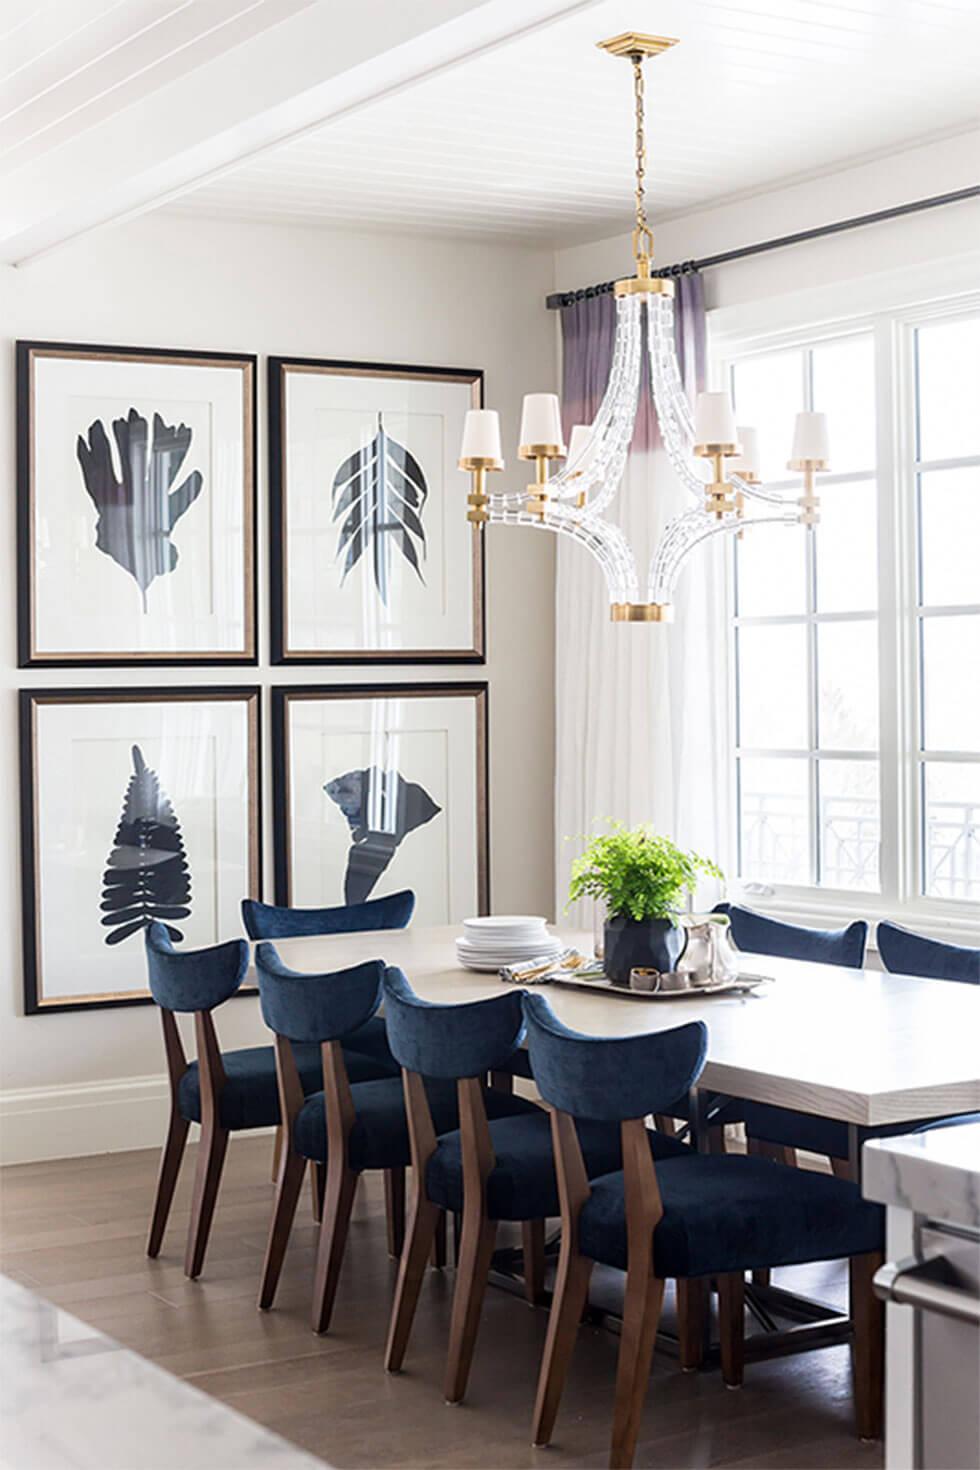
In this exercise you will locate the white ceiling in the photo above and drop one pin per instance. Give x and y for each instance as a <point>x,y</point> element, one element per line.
<point>531,139</point>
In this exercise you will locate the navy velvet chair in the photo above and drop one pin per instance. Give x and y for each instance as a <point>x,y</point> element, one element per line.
<point>758,934</point>
<point>780,1131</point>
<point>222,1092</point>
<point>348,1126</point>
<point>393,911</point>
<point>491,1169</point>
<point>710,1215</point>
<point>906,953</point>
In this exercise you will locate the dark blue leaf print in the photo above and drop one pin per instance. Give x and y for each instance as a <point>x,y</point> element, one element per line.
<point>380,491</point>
<point>138,511</point>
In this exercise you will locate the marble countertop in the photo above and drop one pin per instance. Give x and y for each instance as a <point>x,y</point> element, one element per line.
<point>935,1173</point>
<point>72,1399</point>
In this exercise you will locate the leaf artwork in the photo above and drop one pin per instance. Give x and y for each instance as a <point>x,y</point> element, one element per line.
<point>137,513</point>
<point>146,875</point>
<point>381,492</point>
<point>381,808</point>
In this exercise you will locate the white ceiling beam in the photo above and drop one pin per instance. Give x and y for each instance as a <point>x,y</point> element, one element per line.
<point>315,65</point>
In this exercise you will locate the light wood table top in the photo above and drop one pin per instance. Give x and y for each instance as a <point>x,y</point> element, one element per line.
<point>859,1046</point>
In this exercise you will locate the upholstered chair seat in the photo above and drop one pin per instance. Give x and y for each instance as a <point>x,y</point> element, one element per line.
<point>250,1097</point>
<point>725,1213</point>
<point>522,1184</point>
<point>378,1137</point>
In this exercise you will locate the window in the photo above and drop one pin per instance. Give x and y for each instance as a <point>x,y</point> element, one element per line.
<point>856,644</point>
<point>947,481</point>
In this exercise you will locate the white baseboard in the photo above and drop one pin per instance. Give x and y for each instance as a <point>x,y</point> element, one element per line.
<point>91,1118</point>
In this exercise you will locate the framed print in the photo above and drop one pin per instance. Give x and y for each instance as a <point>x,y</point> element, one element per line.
<point>379,788</point>
<point>136,506</point>
<point>136,804</point>
<point>373,559</point>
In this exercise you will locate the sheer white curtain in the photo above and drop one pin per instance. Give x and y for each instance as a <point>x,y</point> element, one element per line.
<point>640,707</point>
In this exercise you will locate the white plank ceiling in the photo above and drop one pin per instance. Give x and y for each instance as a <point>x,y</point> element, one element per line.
<point>68,64</point>
<point>531,139</point>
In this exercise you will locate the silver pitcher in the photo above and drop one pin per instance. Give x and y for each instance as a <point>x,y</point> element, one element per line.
<point>708,957</point>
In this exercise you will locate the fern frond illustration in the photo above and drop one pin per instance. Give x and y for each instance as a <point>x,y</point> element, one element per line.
<point>138,511</point>
<point>381,492</point>
<point>146,876</point>
<point>381,809</point>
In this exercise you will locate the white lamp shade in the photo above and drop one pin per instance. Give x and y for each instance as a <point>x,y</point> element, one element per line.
<point>811,440</point>
<point>714,419</point>
<point>481,435</point>
<point>578,441</point>
<point>746,463</point>
<point>541,420</point>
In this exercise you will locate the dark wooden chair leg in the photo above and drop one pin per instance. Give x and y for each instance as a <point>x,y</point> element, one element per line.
<point>691,1301</point>
<point>318,1185</point>
<point>291,1171</point>
<point>567,1305</point>
<point>170,1161</point>
<point>210,1161</point>
<point>276,1154</point>
<point>337,1204</point>
<point>457,1236</point>
<point>731,1327</point>
<point>395,1210</point>
<point>422,1235</point>
<point>868,1349</point>
<point>439,1244</point>
<point>473,1266</point>
<point>502,1081</point>
<point>842,1169</point>
<point>532,1236</point>
<point>641,1314</point>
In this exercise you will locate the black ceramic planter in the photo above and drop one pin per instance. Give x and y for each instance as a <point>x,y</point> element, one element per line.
<point>634,944</point>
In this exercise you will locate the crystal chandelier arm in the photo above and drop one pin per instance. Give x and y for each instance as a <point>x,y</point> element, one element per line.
<point>688,531</point>
<point>601,468</point>
<point>674,411</point>
<point>606,542</point>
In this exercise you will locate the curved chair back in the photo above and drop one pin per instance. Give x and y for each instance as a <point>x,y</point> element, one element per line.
<point>913,954</point>
<point>270,921</point>
<point>761,935</point>
<point>316,1008</point>
<point>193,979</point>
<point>611,1079</point>
<point>450,1041</point>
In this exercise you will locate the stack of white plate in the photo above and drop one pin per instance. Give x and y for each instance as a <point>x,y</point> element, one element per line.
<point>504,939</point>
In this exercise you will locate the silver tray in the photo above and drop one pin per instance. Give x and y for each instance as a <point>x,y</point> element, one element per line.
<point>743,984</point>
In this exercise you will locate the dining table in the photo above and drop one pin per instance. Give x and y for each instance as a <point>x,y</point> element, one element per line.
<point>865,1047</point>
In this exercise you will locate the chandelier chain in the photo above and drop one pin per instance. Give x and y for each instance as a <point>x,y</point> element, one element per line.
<point>642,235</point>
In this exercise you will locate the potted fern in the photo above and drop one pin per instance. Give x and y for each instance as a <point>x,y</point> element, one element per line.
<point>642,878</point>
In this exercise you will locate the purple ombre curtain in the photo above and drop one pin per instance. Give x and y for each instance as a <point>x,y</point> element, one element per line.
<point>588,330</point>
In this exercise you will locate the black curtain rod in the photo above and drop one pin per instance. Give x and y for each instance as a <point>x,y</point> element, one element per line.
<point>569,298</point>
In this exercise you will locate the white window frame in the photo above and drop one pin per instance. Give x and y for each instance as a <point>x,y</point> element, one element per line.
<point>899,752</point>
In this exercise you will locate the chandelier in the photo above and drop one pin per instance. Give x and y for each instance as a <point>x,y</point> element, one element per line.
<point>571,500</point>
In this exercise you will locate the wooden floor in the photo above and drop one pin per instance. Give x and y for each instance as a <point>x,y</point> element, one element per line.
<point>75,1232</point>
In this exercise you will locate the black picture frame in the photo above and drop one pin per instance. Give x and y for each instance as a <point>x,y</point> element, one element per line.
<point>478,690</point>
<point>28,701</point>
<point>27,655</point>
<point>276,369</point>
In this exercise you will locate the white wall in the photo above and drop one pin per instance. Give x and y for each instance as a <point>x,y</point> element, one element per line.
<point>764,282</point>
<point>170,281</point>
